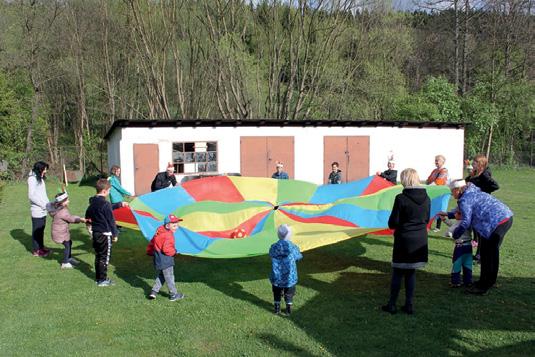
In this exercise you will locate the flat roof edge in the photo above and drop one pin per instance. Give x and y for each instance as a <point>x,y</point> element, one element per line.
<point>152,123</point>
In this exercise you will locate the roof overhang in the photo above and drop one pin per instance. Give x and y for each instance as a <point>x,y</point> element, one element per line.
<point>188,123</point>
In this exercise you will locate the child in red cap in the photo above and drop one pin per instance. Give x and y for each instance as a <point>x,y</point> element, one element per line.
<point>162,248</point>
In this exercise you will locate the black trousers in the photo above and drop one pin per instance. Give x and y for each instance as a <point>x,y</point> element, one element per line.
<point>38,232</point>
<point>490,255</point>
<point>67,251</point>
<point>288,293</point>
<point>102,246</point>
<point>395,286</point>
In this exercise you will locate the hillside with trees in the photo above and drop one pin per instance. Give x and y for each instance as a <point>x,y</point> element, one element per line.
<point>69,68</point>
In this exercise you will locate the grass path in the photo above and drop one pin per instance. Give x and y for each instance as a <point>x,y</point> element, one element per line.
<point>227,310</point>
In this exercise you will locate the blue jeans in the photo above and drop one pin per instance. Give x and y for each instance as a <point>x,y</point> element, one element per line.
<point>166,275</point>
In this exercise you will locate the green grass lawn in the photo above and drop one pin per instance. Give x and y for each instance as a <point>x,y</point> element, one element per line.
<point>227,309</point>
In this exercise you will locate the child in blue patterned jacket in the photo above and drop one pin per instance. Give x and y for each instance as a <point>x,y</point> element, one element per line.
<point>283,277</point>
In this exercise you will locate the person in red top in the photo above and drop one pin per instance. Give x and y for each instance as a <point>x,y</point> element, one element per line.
<point>162,249</point>
<point>439,176</point>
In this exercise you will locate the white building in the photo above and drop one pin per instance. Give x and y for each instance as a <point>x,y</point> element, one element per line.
<point>143,148</point>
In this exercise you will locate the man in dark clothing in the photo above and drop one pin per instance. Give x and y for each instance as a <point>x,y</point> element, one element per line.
<point>335,177</point>
<point>280,174</point>
<point>164,179</point>
<point>104,230</point>
<point>390,174</point>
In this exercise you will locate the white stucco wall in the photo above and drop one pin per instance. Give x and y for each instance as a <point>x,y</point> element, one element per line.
<point>412,147</point>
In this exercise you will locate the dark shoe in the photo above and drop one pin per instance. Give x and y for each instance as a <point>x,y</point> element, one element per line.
<point>389,308</point>
<point>175,297</point>
<point>288,309</point>
<point>276,309</point>
<point>74,261</point>
<point>407,309</point>
<point>476,291</point>
<point>152,295</point>
<point>43,252</point>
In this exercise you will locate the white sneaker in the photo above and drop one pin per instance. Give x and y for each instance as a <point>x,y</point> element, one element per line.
<point>436,230</point>
<point>66,266</point>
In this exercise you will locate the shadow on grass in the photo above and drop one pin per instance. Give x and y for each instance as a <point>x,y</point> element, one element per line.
<point>343,315</point>
<point>278,344</point>
<point>80,242</point>
<point>23,238</point>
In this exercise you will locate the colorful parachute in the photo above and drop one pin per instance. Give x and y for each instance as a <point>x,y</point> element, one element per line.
<point>232,217</point>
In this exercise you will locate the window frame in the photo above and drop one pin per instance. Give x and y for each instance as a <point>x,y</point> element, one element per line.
<point>175,163</point>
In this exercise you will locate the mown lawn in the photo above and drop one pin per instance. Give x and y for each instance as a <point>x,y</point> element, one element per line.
<point>227,309</point>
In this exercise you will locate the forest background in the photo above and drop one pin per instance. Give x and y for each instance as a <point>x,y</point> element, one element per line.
<point>69,68</point>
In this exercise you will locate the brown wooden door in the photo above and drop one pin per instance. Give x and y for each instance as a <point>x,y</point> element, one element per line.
<point>146,158</point>
<point>258,155</point>
<point>358,163</point>
<point>280,149</point>
<point>253,156</point>
<point>352,154</point>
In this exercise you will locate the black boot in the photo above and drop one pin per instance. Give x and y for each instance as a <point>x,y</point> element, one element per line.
<point>277,308</point>
<point>407,309</point>
<point>389,308</point>
<point>288,309</point>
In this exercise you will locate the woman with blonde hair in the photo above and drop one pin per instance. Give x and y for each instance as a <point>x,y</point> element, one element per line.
<point>408,219</point>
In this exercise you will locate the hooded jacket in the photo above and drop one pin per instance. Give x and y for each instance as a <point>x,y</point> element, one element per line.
<point>60,223</point>
<point>117,191</point>
<point>284,255</point>
<point>162,248</point>
<point>37,196</point>
<point>101,215</point>
<point>480,211</point>
<point>409,219</point>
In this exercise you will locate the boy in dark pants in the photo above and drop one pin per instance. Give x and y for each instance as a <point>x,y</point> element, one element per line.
<point>284,255</point>
<point>162,248</point>
<point>104,230</point>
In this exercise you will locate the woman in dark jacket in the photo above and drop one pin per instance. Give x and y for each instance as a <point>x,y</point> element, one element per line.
<point>481,175</point>
<point>409,219</point>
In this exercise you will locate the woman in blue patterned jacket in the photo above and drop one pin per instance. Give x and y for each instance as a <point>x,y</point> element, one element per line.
<point>491,219</point>
<point>283,277</point>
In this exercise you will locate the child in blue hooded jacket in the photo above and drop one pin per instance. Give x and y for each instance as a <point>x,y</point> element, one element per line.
<point>283,277</point>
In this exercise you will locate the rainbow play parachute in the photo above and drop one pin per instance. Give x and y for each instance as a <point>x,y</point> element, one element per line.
<point>233,217</point>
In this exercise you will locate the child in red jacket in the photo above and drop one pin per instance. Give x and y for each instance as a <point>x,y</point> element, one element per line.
<point>162,248</point>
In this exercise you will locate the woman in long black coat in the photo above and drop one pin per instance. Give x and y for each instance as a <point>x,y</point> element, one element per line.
<point>409,219</point>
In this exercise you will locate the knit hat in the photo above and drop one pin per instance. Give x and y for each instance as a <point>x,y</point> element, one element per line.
<point>60,197</point>
<point>457,184</point>
<point>284,232</point>
<point>172,219</point>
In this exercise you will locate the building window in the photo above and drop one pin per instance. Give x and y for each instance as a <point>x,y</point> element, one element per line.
<point>195,157</point>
